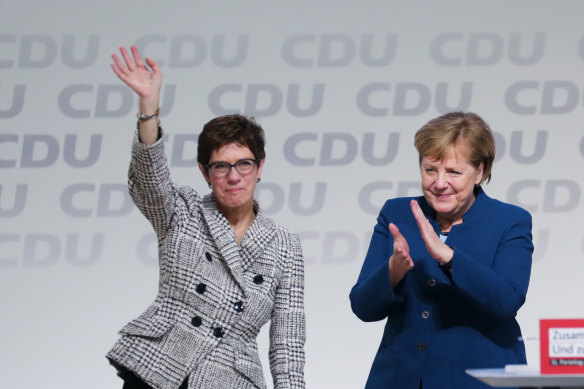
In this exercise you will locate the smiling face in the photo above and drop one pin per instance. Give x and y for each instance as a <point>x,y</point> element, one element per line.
<point>233,192</point>
<point>448,185</point>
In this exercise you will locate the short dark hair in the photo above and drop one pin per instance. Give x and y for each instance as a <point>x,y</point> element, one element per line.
<point>466,132</point>
<point>226,129</point>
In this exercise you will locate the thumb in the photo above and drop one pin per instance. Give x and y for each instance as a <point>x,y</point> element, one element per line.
<point>394,231</point>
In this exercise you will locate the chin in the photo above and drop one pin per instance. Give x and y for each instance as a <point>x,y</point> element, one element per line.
<point>443,209</point>
<point>236,202</point>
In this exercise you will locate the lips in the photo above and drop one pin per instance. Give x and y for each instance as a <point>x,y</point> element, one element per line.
<point>443,196</point>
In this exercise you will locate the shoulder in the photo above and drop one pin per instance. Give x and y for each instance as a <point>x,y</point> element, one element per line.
<point>281,233</point>
<point>494,216</point>
<point>188,198</point>
<point>496,207</point>
<point>398,206</point>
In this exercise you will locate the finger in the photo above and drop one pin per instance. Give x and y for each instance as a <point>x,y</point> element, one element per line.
<point>401,253</point>
<point>157,73</point>
<point>410,263</point>
<point>118,72</point>
<point>402,259</point>
<point>118,67</point>
<point>152,64</point>
<point>398,248</point>
<point>423,224</point>
<point>394,230</point>
<point>417,211</point>
<point>415,207</point>
<point>130,64</point>
<point>137,56</point>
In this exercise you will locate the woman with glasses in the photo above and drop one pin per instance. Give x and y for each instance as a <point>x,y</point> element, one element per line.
<point>225,268</point>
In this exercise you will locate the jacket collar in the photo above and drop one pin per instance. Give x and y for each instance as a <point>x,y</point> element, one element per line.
<point>238,257</point>
<point>480,200</point>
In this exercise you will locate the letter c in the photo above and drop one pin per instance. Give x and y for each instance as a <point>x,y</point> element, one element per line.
<point>364,95</point>
<point>366,192</point>
<point>511,97</point>
<point>66,96</point>
<point>5,138</point>
<point>437,49</point>
<point>142,42</point>
<point>519,186</point>
<point>288,50</point>
<point>67,200</point>
<point>216,95</point>
<point>290,147</point>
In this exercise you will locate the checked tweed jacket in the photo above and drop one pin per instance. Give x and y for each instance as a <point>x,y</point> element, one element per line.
<point>214,294</point>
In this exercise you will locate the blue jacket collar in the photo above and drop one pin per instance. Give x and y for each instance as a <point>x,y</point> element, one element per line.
<point>480,199</point>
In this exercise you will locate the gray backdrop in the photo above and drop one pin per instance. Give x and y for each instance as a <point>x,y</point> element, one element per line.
<point>340,88</point>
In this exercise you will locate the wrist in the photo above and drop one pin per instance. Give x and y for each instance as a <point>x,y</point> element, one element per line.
<point>148,116</point>
<point>149,105</point>
<point>446,265</point>
<point>448,254</point>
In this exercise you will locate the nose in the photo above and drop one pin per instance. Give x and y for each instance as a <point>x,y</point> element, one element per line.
<point>441,180</point>
<point>233,174</point>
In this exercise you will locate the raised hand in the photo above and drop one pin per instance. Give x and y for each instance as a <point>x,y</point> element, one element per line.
<point>400,261</point>
<point>437,249</point>
<point>146,82</point>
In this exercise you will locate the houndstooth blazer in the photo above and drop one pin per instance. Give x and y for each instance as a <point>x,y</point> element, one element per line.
<point>214,294</point>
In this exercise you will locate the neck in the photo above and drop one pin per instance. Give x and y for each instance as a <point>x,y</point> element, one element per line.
<point>446,225</point>
<point>239,219</point>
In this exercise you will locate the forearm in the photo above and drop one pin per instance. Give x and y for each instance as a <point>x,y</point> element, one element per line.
<point>150,185</point>
<point>499,290</point>
<point>288,325</point>
<point>372,297</point>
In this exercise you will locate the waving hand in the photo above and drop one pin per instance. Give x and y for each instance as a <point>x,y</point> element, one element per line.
<point>145,82</point>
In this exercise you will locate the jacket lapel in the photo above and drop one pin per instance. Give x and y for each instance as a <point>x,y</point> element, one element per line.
<point>257,237</point>
<point>237,257</point>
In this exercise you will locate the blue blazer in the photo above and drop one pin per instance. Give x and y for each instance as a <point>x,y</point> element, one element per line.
<point>438,325</point>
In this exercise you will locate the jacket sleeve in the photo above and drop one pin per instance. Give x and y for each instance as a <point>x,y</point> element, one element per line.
<point>372,296</point>
<point>500,288</point>
<point>288,324</point>
<point>150,185</point>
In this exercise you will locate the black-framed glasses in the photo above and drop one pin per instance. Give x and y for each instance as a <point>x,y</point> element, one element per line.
<point>243,167</point>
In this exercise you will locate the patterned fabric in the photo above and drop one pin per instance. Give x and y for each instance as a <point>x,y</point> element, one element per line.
<point>214,294</point>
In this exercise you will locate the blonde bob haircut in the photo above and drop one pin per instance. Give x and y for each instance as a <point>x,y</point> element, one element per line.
<point>467,134</point>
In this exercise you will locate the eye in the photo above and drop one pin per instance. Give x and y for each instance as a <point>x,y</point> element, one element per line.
<point>220,166</point>
<point>245,164</point>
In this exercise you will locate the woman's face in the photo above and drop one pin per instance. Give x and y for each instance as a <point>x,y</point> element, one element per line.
<point>448,185</point>
<point>233,190</point>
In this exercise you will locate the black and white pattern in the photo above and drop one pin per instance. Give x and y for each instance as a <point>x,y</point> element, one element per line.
<point>214,294</point>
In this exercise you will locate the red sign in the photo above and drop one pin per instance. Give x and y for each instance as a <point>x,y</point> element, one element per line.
<point>562,346</point>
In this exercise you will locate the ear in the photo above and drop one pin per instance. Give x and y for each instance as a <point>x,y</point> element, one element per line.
<point>480,170</point>
<point>205,173</point>
<point>260,167</point>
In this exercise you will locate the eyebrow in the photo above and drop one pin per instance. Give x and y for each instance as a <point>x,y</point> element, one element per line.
<point>241,159</point>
